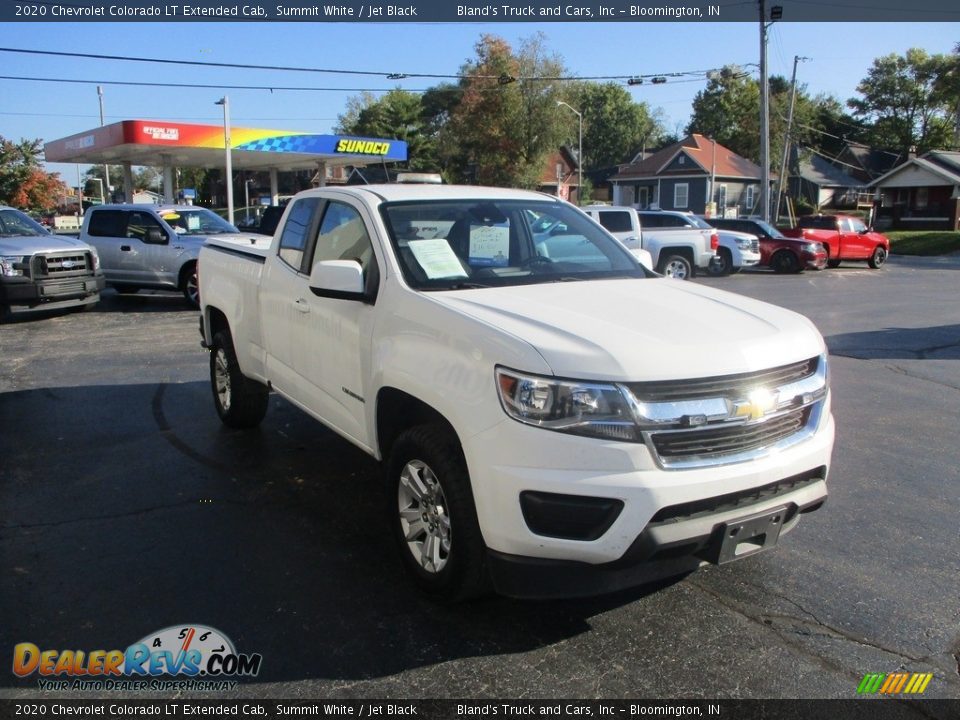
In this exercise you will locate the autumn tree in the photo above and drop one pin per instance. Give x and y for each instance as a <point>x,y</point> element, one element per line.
<point>506,122</point>
<point>23,182</point>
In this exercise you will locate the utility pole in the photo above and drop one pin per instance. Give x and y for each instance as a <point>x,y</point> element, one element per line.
<point>106,166</point>
<point>786,136</point>
<point>764,119</point>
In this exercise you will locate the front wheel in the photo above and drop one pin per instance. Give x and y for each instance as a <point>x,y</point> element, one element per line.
<point>878,258</point>
<point>785,262</point>
<point>190,284</point>
<point>722,263</point>
<point>676,266</point>
<point>433,516</point>
<point>240,401</point>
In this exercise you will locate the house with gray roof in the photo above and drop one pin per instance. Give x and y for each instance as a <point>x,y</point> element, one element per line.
<point>922,194</point>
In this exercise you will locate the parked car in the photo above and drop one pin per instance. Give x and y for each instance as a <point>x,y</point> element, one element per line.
<point>676,253</point>
<point>40,271</point>
<point>734,251</point>
<point>154,246</point>
<point>553,419</point>
<point>844,237</point>
<point>777,251</point>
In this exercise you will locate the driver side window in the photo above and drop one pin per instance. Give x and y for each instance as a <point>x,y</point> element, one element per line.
<point>343,236</point>
<point>138,223</point>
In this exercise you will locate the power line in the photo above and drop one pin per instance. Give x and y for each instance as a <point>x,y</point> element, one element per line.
<point>142,83</point>
<point>393,75</point>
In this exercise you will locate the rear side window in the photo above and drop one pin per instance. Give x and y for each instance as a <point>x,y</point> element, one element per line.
<point>294,237</point>
<point>615,221</point>
<point>108,223</point>
<point>818,222</point>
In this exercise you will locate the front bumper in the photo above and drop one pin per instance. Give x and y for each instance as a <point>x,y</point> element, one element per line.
<point>30,293</point>
<point>669,518</point>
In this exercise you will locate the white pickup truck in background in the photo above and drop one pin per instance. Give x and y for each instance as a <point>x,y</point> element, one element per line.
<point>553,419</point>
<point>675,253</point>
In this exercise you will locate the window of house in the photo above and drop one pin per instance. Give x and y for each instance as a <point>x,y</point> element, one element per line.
<point>749,199</point>
<point>644,199</point>
<point>722,197</point>
<point>923,197</point>
<point>681,193</point>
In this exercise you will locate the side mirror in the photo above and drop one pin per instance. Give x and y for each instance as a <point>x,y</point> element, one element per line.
<point>338,279</point>
<point>155,236</point>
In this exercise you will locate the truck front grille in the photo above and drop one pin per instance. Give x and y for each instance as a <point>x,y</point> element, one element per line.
<point>732,418</point>
<point>63,265</point>
<point>718,441</point>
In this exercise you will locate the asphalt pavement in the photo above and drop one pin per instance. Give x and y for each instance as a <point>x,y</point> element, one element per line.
<point>126,507</point>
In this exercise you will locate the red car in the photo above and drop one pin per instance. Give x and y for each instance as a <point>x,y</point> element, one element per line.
<point>777,251</point>
<point>845,238</point>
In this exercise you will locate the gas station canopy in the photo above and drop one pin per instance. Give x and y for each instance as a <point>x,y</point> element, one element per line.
<point>170,144</point>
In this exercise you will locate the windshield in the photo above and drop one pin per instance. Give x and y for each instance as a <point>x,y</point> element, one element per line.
<point>769,229</point>
<point>14,223</point>
<point>196,221</point>
<point>451,245</point>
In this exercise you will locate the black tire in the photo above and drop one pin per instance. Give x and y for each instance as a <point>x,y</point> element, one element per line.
<point>878,258</point>
<point>190,284</point>
<point>784,261</point>
<point>126,289</point>
<point>676,266</point>
<point>722,263</point>
<point>240,401</point>
<point>431,511</point>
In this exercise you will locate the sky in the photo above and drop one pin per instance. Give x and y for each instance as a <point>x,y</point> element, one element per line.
<point>841,54</point>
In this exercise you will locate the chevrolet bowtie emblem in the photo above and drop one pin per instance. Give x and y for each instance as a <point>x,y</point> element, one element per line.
<point>758,403</point>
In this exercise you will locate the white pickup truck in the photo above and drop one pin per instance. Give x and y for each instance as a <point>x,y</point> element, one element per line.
<point>553,419</point>
<point>676,253</point>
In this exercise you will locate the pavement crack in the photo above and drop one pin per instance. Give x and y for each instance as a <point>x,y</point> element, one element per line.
<point>815,623</point>
<point>111,516</point>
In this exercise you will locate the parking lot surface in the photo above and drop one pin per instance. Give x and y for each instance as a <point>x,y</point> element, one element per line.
<point>127,508</point>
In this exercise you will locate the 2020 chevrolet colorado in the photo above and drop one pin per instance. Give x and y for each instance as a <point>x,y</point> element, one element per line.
<point>553,419</point>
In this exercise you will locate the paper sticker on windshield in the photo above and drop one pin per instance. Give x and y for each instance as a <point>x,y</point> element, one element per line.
<point>437,258</point>
<point>489,246</point>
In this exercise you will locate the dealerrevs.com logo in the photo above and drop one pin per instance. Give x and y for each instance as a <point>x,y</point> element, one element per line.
<point>180,657</point>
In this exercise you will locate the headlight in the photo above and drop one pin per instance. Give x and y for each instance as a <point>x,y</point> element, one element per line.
<point>12,265</point>
<point>579,408</point>
<point>96,258</point>
<point>744,243</point>
<point>813,247</point>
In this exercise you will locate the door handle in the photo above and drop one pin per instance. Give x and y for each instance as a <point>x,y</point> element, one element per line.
<point>125,248</point>
<point>301,305</point>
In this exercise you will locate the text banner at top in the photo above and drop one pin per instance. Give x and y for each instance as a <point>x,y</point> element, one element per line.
<point>537,11</point>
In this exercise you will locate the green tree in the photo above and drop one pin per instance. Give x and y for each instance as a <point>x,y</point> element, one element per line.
<point>614,126</point>
<point>398,114</point>
<point>23,182</point>
<point>906,101</point>
<point>728,111</point>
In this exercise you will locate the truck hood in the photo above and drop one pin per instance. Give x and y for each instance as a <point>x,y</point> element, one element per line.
<point>32,244</point>
<point>630,330</point>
